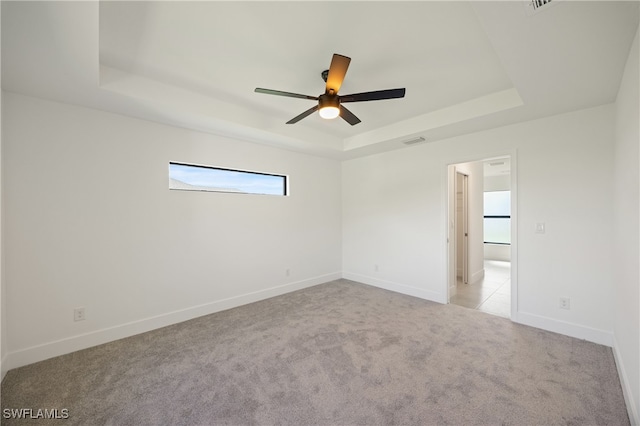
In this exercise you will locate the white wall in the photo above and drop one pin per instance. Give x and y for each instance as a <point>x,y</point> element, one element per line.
<point>90,222</point>
<point>394,215</point>
<point>499,252</point>
<point>626,324</point>
<point>391,218</point>
<point>497,183</point>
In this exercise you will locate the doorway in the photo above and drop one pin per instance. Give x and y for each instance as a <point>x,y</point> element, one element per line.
<point>481,243</point>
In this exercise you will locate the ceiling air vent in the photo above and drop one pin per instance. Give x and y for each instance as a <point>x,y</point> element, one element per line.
<point>415,141</point>
<point>535,6</point>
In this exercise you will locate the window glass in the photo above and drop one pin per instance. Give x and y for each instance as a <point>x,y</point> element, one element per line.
<point>497,217</point>
<point>497,203</point>
<point>497,231</point>
<point>189,177</point>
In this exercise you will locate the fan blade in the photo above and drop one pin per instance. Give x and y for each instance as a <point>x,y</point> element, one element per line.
<point>348,116</point>
<point>378,95</point>
<point>287,94</point>
<point>303,115</point>
<point>337,71</point>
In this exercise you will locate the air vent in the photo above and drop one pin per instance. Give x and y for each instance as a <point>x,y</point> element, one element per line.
<point>415,141</point>
<point>535,6</point>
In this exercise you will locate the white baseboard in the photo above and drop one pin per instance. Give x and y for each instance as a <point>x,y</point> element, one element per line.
<point>474,278</point>
<point>477,276</point>
<point>397,287</point>
<point>594,335</point>
<point>601,337</point>
<point>630,401</point>
<point>453,291</point>
<point>74,343</point>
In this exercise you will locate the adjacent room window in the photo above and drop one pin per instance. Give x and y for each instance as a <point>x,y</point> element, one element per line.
<point>190,177</point>
<point>497,217</point>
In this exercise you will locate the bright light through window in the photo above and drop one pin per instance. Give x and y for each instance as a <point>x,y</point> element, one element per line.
<point>189,177</point>
<point>497,217</point>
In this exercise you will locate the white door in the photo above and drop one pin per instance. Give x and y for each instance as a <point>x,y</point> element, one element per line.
<point>462,227</point>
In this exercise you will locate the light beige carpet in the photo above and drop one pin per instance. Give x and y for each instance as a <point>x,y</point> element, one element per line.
<point>340,353</point>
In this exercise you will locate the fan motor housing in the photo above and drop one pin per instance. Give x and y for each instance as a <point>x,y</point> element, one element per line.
<point>327,100</point>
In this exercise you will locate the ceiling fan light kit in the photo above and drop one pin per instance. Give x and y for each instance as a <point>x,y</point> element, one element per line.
<point>329,103</point>
<point>328,106</point>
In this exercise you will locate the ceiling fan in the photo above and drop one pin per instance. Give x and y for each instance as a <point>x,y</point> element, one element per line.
<point>330,103</point>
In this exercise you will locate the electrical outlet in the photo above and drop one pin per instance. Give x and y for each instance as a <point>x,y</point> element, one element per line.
<point>287,272</point>
<point>565,303</point>
<point>79,314</point>
<point>376,268</point>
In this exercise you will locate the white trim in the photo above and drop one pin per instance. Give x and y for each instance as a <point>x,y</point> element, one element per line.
<point>594,335</point>
<point>601,337</point>
<point>477,276</point>
<point>513,156</point>
<point>630,401</point>
<point>514,233</point>
<point>451,274</point>
<point>83,341</point>
<point>397,287</point>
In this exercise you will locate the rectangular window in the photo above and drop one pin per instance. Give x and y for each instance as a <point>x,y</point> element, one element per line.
<point>497,217</point>
<point>190,177</point>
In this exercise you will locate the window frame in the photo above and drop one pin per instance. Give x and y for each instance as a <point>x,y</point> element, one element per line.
<point>285,178</point>
<point>508,217</point>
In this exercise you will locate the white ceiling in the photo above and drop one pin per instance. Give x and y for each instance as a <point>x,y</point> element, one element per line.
<point>467,66</point>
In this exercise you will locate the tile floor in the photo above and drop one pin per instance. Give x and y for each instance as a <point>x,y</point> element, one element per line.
<point>492,294</point>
